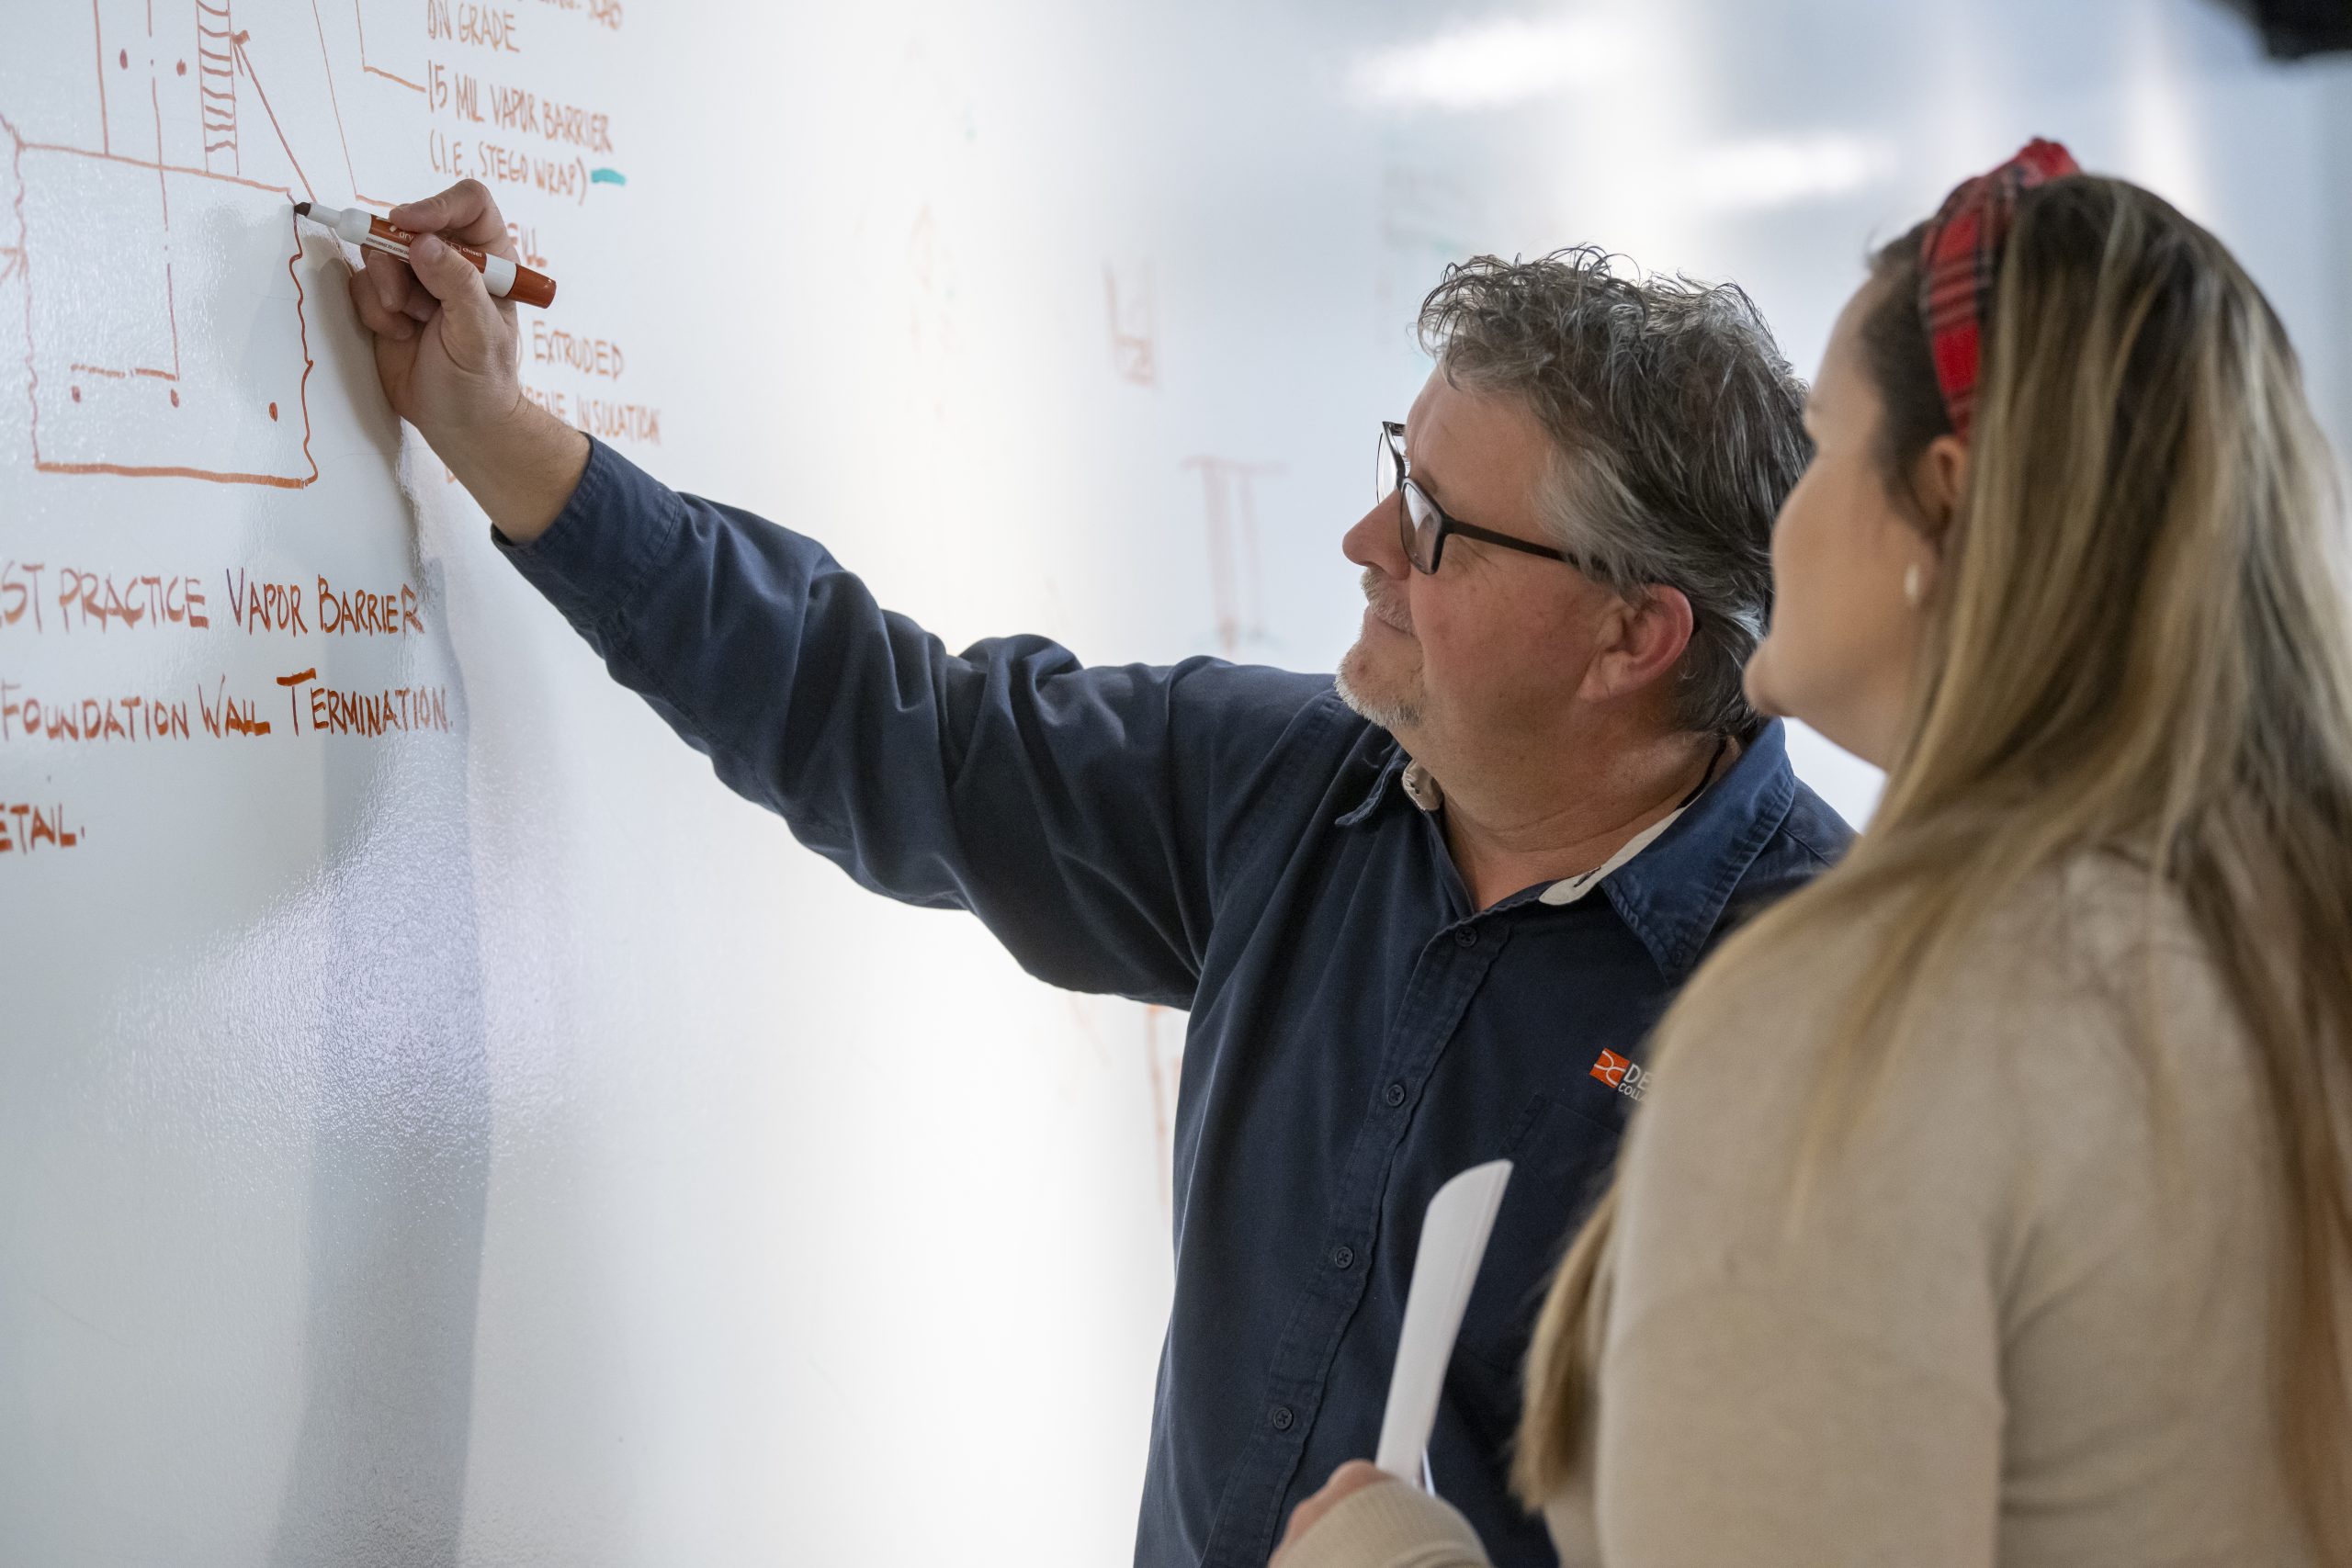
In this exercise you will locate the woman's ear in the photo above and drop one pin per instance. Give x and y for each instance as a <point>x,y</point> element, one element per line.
<point>1939,479</point>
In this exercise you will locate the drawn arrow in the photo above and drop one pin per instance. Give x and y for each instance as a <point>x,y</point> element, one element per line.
<point>245,64</point>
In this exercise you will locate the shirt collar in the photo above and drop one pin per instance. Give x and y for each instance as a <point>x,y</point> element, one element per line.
<point>1570,889</point>
<point>1671,883</point>
<point>1383,784</point>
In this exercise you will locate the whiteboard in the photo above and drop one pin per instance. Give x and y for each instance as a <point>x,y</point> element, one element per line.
<point>437,1122</point>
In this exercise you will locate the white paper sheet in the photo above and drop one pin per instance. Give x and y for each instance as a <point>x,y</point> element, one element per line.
<point>1453,1241</point>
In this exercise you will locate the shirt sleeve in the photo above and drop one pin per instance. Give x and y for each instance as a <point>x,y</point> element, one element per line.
<point>1389,1524</point>
<point>1078,811</point>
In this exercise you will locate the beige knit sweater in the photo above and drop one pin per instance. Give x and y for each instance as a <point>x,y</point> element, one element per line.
<point>2025,1322</point>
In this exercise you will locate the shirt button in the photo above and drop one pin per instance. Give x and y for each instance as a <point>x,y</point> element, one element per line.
<point>1343,1257</point>
<point>1281,1416</point>
<point>1396,1096</point>
<point>1466,937</point>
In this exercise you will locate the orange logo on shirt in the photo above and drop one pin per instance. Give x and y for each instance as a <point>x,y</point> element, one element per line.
<point>1620,1074</point>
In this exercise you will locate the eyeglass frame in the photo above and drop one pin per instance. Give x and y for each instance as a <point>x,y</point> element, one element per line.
<point>1392,441</point>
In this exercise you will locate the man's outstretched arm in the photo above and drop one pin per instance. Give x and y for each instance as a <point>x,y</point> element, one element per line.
<point>1079,811</point>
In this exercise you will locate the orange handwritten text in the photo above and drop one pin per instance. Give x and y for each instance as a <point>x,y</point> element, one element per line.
<point>485,27</point>
<point>503,164</point>
<point>130,716</point>
<point>358,613</point>
<point>606,421</point>
<point>266,607</point>
<point>620,421</point>
<point>520,109</point>
<point>565,177</point>
<point>582,128</point>
<point>25,827</point>
<point>590,355</point>
<point>20,592</point>
<point>391,708</point>
<point>226,715</point>
<point>90,599</point>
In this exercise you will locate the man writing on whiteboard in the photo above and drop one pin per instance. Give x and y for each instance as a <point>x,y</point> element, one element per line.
<point>1422,915</point>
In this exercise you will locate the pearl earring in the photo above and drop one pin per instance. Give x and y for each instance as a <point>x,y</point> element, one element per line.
<point>1913,590</point>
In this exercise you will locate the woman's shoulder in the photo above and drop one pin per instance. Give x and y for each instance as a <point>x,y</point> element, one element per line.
<point>2085,965</point>
<point>2047,1048</point>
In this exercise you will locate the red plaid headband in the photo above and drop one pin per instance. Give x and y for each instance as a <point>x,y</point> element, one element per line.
<point>1959,257</point>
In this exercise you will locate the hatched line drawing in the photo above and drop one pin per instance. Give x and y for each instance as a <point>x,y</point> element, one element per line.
<point>215,86</point>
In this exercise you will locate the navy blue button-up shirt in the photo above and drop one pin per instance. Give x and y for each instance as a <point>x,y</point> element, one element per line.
<point>1235,842</point>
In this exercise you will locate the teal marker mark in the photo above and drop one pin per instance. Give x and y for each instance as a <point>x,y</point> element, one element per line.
<point>606,177</point>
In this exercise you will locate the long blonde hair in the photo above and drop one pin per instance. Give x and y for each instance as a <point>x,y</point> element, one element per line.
<point>2141,641</point>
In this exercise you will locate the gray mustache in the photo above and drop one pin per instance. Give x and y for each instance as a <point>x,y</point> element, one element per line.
<point>1383,607</point>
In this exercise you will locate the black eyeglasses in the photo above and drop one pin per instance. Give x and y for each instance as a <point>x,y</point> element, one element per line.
<point>1422,524</point>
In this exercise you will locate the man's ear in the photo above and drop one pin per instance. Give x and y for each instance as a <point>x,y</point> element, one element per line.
<point>1939,479</point>
<point>1646,634</point>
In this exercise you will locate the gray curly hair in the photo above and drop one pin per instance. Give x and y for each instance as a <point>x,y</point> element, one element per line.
<point>1680,431</point>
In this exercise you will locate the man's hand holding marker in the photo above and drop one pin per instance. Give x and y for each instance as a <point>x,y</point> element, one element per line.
<point>446,353</point>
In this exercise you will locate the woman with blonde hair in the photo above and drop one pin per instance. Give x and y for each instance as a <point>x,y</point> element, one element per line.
<point>1994,1199</point>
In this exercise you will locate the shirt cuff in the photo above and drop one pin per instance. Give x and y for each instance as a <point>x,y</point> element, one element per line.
<point>591,559</point>
<point>1390,1524</point>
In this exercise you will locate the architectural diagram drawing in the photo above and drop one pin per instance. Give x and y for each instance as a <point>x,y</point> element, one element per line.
<point>153,244</point>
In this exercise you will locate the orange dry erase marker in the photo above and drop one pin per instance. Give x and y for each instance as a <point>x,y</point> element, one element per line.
<point>506,281</point>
